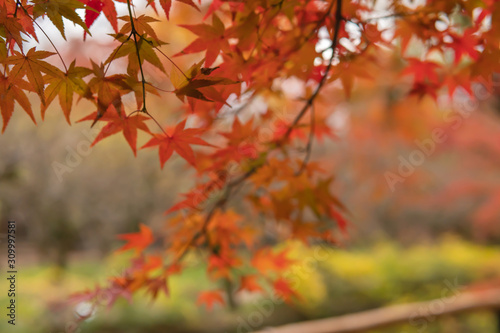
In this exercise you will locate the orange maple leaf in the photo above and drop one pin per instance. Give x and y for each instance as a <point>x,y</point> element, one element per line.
<point>12,91</point>
<point>119,122</point>
<point>179,141</point>
<point>137,240</point>
<point>210,38</point>
<point>249,283</point>
<point>32,66</point>
<point>209,298</point>
<point>264,260</point>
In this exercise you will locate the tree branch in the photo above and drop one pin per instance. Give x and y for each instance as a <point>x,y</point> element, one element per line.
<point>232,184</point>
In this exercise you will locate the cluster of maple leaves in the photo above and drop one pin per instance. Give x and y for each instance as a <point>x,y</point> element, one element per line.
<point>246,48</point>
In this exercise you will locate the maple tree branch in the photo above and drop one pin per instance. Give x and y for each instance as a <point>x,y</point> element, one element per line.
<point>309,144</point>
<point>232,184</point>
<point>18,3</point>
<point>333,47</point>
<point>392,15</point>
<point>134,33</point>
<point>320,21</point>
<point>261,33</point>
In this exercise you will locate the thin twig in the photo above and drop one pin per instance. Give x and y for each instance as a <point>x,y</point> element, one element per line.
<point>156,121</point>
<point>173,63</point>
<point>309,144</point>
<point>164,90</point>
<point>134,33</point>
<point>50,41</point>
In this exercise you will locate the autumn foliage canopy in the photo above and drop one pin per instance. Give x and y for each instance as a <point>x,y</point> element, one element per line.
<point>275,69</point>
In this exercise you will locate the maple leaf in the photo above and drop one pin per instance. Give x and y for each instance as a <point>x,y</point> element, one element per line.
<point>119,122</point>
<point>11,27</point>
<point>210,38</point>
<point>422,70</point>
<point>173,269</point>
<point>152,262</point>
<point>220,267</point>
<point>264,260</point>
<point>464,45</point>
<point>25,18</point>
<point>65,85</point>
<point>209,298</point>
<point>341,221</point>
<point>235,5</point>
<point>56,10</point>
<point>166,5</point>
<point>348,70</point>
<point>282,289</point>
<point>32,66</point>
<point>249,283</point>
<point>179,141</point>
<point>11,91</point>
<point>156,285</point>
<point>94,9</point>
<point>239,145</point>
<point>305,231</point>
<point>462,79</point>
<point>142,27</point>
<point>239,133</point>
<point>198,85</point>
<point>129,48</point>
<point>109,89</point>
<point>137,240</point>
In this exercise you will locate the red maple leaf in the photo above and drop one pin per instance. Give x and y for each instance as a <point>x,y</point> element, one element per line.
<point>179,141</point>
<point>465,45</point>
<point>98,6</point>
<point>422,70</point>
<point>137,240</point>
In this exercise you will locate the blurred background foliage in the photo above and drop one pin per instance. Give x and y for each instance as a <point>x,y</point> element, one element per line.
<point>439,227</point>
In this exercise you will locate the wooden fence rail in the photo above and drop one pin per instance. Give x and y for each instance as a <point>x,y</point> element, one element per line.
<point>416,314</point>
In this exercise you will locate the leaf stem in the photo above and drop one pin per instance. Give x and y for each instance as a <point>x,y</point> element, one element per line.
<point>50,40</point>
<point>169,59</point>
